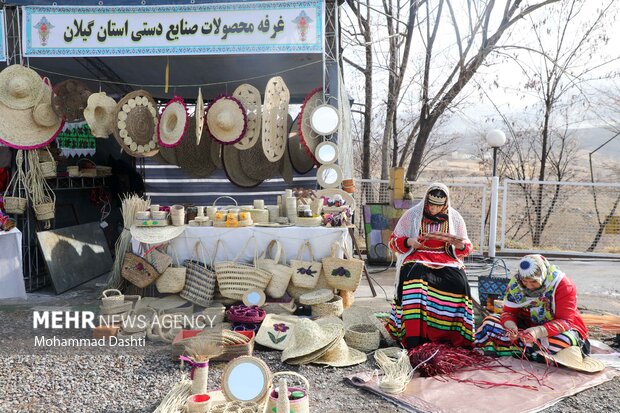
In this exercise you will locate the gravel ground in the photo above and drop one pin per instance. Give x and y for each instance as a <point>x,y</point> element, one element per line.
<point>107,381</point>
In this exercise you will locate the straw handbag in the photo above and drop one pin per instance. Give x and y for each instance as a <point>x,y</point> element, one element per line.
<point>200,281</point>
<point>43,198</point>
<point>47,163</point>
<point>160,260</point>
<point>138,271</point>
<point>172,280</point>
<point>306,273</point>
<point>280,273</point>
<point>16,196</point>
<point>111,298</point>
<point>236,278</point>
<point>343,273</point>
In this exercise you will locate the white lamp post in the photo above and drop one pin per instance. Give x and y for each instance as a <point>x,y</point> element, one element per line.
<point>495,138</point>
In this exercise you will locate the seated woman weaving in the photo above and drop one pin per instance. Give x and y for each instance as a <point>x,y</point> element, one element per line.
<point>432,302</point>
<point>540,313</point>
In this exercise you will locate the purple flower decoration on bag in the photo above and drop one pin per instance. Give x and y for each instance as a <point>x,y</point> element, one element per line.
<point>139,267</point>
<point>341,272</point>
<point>306,271</point>
<point>282,328</point>
<point>278,328</point>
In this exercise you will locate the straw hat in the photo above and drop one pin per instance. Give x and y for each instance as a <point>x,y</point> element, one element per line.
<point>275,113</point>
<point>70,99</point>
<point>20,87</point>
<point>99,114</point>
<point>199,114</point>
<point>250,98</point>
<point>194,159</point>
<point>310,337</point>
<point>276,331</point>
<point>301,161</point>
<point>19,130</point>
<point>308,138</point>
<point>234,170</point>
<point>135,124</point>
<point>173,123</point>
<point>573,358</point>
<point>341,355</point>
<point>43,113</point>
<point>155,235</point>
<point>316,297</point>
<point>226,120</point>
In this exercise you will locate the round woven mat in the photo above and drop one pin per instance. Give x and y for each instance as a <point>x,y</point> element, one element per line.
<point>233,169</point>
<point>255,164</point>
<point>194,159</point>
<point>275,113</point>
<point>70,99</point>
<point>250,98</point>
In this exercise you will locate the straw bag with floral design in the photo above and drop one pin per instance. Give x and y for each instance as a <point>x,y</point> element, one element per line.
<point>138,270</point>
<point>280,272</point>
<point>343,273</point>
<point>306,273</point>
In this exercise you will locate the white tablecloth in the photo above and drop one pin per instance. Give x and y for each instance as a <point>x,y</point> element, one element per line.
<point>234,240</point>
<point>11,273</point>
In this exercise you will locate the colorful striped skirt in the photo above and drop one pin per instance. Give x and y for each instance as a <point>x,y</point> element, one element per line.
<point>432,305</point>
<point>493,339</point>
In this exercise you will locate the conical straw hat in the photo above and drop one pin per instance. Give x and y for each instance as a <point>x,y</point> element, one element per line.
<point>234,169</point>
<point>300,158</point>
<point>20,87</point>
<point>99,114</point>
<point>192,158</point>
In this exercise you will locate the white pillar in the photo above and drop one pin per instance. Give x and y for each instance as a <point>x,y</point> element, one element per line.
<point>493,224</point>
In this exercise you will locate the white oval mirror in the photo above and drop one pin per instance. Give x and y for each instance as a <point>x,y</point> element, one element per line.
<point>326,153</point>
<point>329,176</point>
<point>246,378</point>
<point>324,120</point>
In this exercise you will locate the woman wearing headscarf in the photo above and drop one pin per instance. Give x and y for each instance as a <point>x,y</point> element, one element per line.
<point>540,307</point>
<point>432,302</point>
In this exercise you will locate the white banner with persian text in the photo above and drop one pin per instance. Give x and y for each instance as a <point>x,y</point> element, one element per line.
<point>223,28</point>
<point>2,37</point>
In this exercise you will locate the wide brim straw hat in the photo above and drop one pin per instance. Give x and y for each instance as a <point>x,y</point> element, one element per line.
<point>308,138</point>
<point>199,114</point>
<point>43,112</point>
<point>255,164</point>
<point>573,358</point>
<point>269,337</point>
<point>20,87</point>
<point>234,170</point>
<point>341,355</point>
<point>99,114</point>
<point>19,130</point>
<point>70,99</point>
<point>135,124</point>
<point>301,161</point>
<point>173,123</point>
<point>194,159</point>
<point>250,98</point>
<point>156,235</point>
<point>275,119</point>
<point>226,120</point>
<point>310,337</point>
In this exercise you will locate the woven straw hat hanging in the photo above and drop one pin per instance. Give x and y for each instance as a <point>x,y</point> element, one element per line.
<point>172,123</point>
<point>199,114</point>
<point>300,158</point>
<point>135,124</point>
<point>19,130</point>
<point>275,112</point>
<point>70,99</point>
<point>43,113</point>
<point>234,170</point>
<point>226,120</point>
<point>99,114</point>
<point>194,159</point>
<point>308,138</point>
<point>250,98</point>
<point>20,87</point>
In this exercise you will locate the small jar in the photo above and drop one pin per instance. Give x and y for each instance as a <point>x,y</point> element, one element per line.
<point>301,211</point>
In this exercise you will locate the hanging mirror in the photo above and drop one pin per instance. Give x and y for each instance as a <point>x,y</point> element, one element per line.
<point>254,297</point>
<point>247,379</point>
<point>326,153</point>
<point>329,176</point>
<point>324,120</point>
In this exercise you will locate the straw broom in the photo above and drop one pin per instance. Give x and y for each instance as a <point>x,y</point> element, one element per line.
<point>200,350</point>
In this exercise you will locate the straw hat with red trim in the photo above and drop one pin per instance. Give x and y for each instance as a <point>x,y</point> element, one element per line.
<point>226,120</point>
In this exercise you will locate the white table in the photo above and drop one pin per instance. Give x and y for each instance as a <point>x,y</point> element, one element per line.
<point>234,240</point>
<point>11,273</point>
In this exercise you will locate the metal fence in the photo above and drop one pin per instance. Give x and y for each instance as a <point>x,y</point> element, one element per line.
<point>470,199</point>
<point>566,217</point>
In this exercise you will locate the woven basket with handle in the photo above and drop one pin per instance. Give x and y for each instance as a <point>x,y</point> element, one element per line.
<point>200,280</point>
<point>306,273</point>
<point>172,279</point>
<point>138,271</point>
<point>280,272</point>
<point>343,273</point>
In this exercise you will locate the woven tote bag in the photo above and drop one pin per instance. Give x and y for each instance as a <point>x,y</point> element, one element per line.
<point>172,280</point>
<point>138,271</point>
<point>235,278</point>
<point>280,272</point>
<point>343,273</point>
<point>306,273</point>
<point>200,277</point>
<point>159,259</point>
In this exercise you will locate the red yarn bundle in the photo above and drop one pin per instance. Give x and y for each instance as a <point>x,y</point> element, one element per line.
<point>438,358</point>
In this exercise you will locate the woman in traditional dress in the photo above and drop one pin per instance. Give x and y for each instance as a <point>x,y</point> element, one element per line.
<point>432,302</point>
<point>540,307</point>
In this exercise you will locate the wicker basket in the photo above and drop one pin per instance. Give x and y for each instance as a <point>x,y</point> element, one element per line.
<point>160,260</point>
<point>48,169</point>
<point>308,222</point>
<point>112,297</point>
<point>316,297</point>
<point>332,307</point>
<point>280,307</point>
<point>363,337</point>
<point>45,211</point>
<point>73,171</point>
<point>234,279</point>
<point>301,405</point>
<point>15,205</point>
<point>116,308</point>
<point>243,314</point>
<point>236,407</point>
<point>172,280</point>
<point>343,273</point>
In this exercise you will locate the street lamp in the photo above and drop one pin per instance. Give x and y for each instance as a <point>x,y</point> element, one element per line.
<point>495,138</point>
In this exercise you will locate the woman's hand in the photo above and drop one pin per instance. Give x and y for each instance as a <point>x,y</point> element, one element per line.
<point>414,243</point>
<point>511,330</point>
<point>458,244</point>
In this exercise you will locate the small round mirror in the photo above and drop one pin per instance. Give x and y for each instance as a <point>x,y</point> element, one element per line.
<point>329,176</point>
<point>254,297</point>
<point>247,379</point>
<point>326,153</point>
<point>324,120</point>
